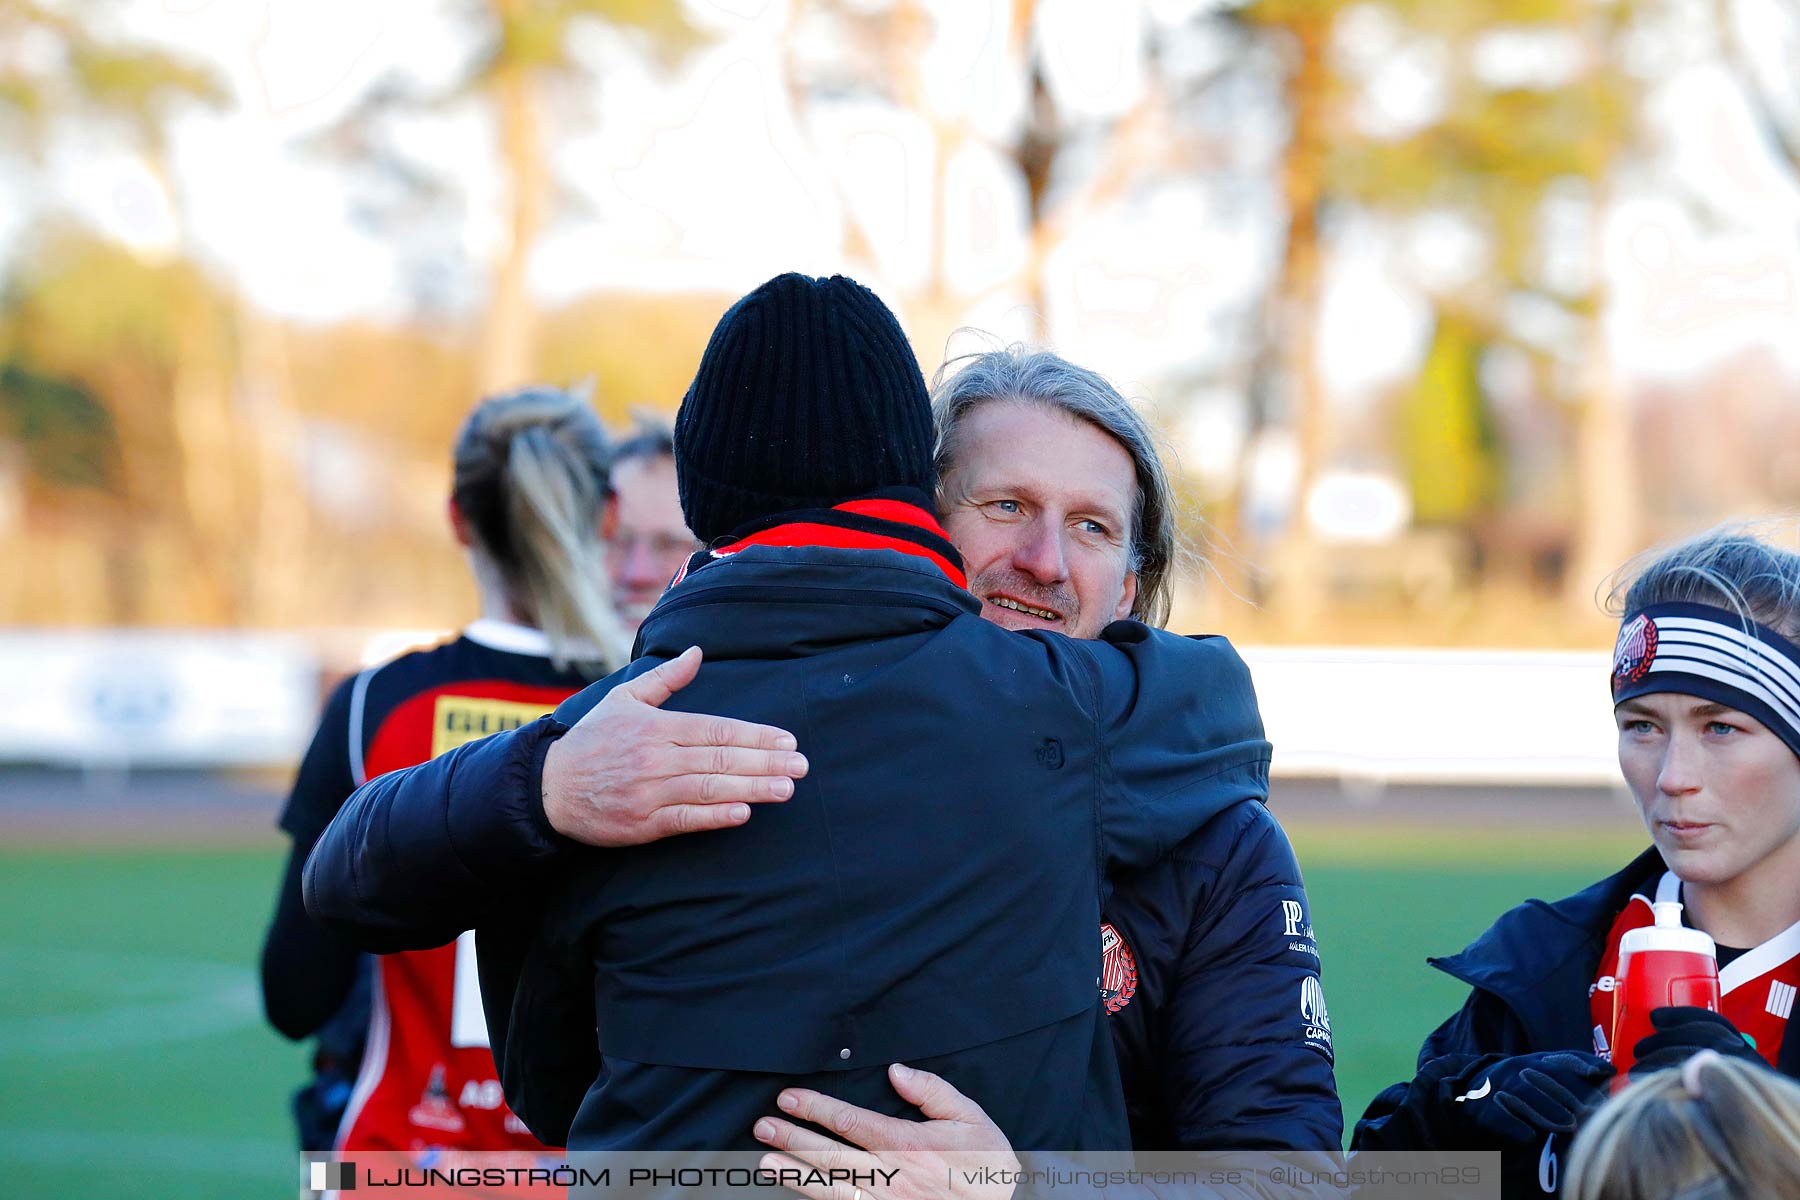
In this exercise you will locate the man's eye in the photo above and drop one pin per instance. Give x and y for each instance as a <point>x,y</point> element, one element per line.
<point>1720,728</point>
<point>1095,528</point>
<point>1635,725</point>
<point>1005,506</point>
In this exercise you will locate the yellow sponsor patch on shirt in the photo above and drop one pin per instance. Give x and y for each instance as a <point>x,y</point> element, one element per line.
<point>459,719</point>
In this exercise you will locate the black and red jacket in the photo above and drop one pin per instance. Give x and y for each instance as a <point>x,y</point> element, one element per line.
<point>930,894</point>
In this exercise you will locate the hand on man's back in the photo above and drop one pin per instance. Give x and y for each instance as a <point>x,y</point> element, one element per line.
<point>952,1154</point>
<point>629,773</point>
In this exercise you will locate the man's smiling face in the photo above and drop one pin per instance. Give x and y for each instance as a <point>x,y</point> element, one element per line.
<point>1040,505</point>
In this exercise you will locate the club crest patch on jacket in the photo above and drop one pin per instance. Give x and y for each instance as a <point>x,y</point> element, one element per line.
<point>1118,975</point>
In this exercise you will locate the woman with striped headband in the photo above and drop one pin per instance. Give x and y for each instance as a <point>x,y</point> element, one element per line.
<point>1706,691</point>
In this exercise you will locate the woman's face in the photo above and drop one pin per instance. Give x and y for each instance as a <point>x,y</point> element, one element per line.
<point>1718,791</point>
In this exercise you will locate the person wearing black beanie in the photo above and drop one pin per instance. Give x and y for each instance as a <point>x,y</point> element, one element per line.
<point>930,892</point>
<point>808,394</point>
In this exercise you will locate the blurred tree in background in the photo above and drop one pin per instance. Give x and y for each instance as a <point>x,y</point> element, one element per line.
<point>1445,432</point>
<point>178,454</point>
<point>179,448</point>
<point>1527,105</point>
<point>527,45</point>
<point>1762,63</point>
<point>521,66</point>
<point>79,296</point>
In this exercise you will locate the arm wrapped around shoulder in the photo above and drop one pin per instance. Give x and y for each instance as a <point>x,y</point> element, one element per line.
<point>1182,738</point>
<point>417,856</point>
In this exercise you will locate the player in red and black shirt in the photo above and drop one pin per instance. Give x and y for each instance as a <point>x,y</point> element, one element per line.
<point>1706,691</point>
<point>530,505</point>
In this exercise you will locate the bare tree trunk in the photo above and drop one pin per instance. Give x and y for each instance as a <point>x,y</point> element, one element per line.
<point>1035,155</point>
<point>279,567</point>
<point>1782,138</point>
<point>1606,485</point>
<point>508,340</point>
<point>1299,585</point>
<point>1605,522</point>
<point>206,427</point>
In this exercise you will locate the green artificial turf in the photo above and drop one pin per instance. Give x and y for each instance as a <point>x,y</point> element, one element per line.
<point>138,1065</point>
<point>131,1033</point>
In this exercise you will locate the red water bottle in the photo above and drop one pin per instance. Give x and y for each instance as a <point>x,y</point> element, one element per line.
<point>1659,965</point>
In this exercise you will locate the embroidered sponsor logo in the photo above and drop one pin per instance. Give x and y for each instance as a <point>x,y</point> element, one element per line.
<point>1634,651</point>
<point>1312,1011</point>
<point>435,1109</point>
<point>1487,1085</point>
<point>1118,974</point>
<point>484,1094</point>
<point>1294,925</point>
<point>459,719</point>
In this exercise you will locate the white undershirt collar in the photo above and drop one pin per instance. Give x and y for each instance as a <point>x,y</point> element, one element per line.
<point>509,636</point>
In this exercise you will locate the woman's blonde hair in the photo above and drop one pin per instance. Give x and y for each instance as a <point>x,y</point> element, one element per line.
<point>1736,566</point>
<point>1714,1128</point>
<point>531,480</point>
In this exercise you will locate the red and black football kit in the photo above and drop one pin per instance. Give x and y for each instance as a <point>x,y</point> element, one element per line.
<point>1537,978</point>
<point>426,1078</point>
<point>1756,986</point>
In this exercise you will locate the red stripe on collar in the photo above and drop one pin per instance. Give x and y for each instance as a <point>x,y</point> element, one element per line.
<point>809,533</point>
<point>898,511</point>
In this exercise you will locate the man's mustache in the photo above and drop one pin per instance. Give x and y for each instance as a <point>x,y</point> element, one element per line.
<point>1023,587</point>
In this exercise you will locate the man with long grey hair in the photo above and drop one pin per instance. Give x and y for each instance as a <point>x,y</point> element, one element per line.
<point>983,404</point>
<point>1053,489</point>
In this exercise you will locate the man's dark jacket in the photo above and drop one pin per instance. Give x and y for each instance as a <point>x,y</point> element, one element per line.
<point>929,894</point>
<point>1220,1044</point>
<point>1530,972</point>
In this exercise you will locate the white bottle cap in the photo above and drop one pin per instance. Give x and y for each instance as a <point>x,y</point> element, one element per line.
<point>1667,934</point>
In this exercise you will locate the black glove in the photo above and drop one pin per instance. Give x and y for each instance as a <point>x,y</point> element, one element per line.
<point>1515,1100</point>
<point>1683,1032</point>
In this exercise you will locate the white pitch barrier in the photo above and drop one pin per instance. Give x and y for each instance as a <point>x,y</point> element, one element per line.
<point>118,699</point>
<point>1438,716</point>
<point>130,698</point>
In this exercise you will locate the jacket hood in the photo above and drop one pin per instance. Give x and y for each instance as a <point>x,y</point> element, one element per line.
<point>808,599</point>
<point>1537,952</point>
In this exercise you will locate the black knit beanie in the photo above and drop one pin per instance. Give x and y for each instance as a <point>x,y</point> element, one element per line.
<point>808,395</point>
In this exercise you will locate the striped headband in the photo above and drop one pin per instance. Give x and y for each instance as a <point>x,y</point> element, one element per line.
<point>1712,653</point>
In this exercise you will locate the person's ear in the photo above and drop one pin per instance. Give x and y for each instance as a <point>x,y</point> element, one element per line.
<point>1128,598</point>
<point>459,524</point>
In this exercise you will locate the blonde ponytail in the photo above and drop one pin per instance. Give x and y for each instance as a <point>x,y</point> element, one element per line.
<point>531,478</point>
